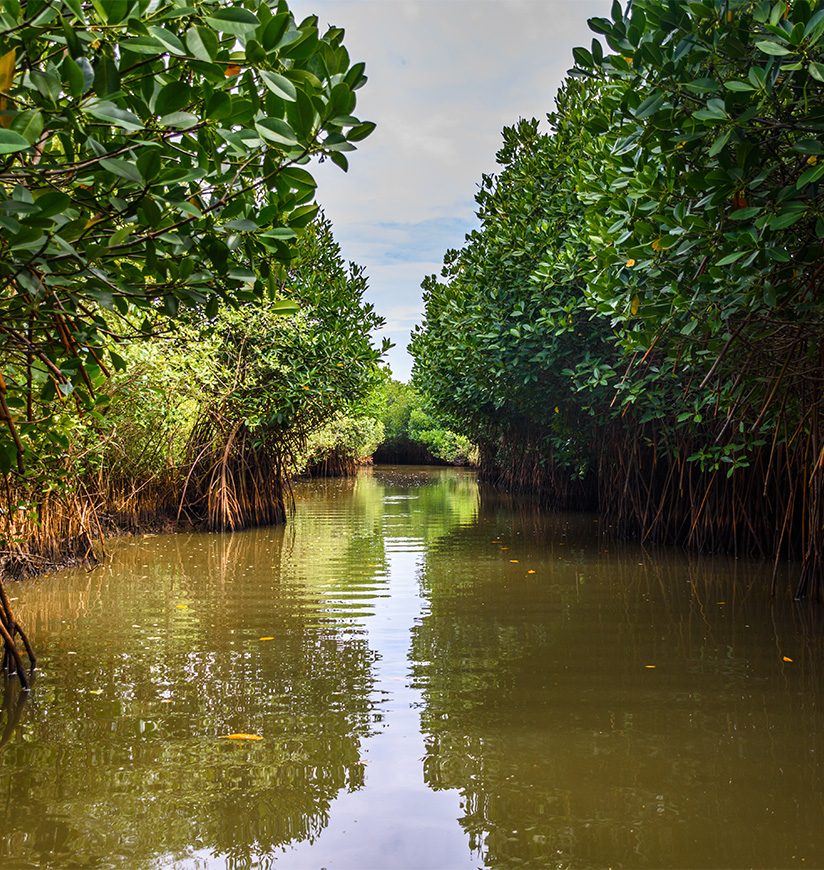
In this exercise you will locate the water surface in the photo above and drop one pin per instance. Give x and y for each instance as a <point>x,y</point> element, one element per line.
<point>441,678</point>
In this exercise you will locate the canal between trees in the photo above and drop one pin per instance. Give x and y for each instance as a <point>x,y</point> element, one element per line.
<point>437,677</point>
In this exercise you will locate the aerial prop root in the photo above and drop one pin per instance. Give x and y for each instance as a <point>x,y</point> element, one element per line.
<point>10,629</point>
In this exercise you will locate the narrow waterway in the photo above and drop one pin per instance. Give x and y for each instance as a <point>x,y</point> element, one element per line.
<point>441,678</point>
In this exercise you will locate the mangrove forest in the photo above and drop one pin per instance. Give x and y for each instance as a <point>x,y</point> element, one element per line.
<point>552,601</point>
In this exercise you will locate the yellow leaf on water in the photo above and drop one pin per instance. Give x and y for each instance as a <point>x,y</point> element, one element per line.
<point>504,548</point>
<point>241,737</point>
<point>650,667</point>
<point>182,606</point>
<point>514,561</point>
<point>786,659</point>
<point>267,637</point>
<point>532,571</point>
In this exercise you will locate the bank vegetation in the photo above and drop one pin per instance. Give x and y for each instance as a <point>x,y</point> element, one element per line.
<point>637,327</point>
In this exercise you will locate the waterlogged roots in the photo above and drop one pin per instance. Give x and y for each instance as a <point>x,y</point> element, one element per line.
<point>772,509</point>
<point>10,630</point>
<point>336,463</point>
<point>235,481</point>
<point>39,532</point>
<point>523,467</point>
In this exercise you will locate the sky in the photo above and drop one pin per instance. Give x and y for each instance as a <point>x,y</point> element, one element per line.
<point>445,76</point>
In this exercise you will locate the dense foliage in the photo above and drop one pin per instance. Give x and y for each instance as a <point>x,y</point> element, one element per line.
<point>639,323</point>
<point>174,320</point>
<point>268,382</point>
<point>413,433</point>
<point>151,160</point>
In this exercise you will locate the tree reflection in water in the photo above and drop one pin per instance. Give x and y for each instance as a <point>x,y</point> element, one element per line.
<point>152,657</point>
<point>567,749</point>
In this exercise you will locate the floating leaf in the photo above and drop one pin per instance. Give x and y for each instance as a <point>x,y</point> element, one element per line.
<point>514,561</point>
<point>241,737</point>
<point>267,637</point>
<point>786,659</point>
<point>650,667</point>
<point>531,571</point>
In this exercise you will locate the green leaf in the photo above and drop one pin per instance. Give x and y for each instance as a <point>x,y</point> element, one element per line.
<point>107,111</point>
<point>817,69</point>
<point>178,120</point>
<point>11,142</point>
<point>719,143</point>
<point>731,258</point>
<point>277,131</point>
<point>715,111</point>
<point>279,85</point>
<point>284,307</point>
<point>172,97</point>
<point>168,40</point>
<point>702,86</point>
<point>773,48</point>
<point>745,214</point>
<point>690,327</point>
<point>274,30</point>
<point>202,43</point>
<point>303,216</point>
<point>122,168</point>
<point>810,176</point>
<point>235,20</point>
<point>582,57</point>
<point>809,146</point>
<point>106,77</point>
<point>650,105</point>
<point>73,76</point>
<point>8,456</point>
<point>360,131</point>
<point>787,218</point>
<point>29,125</point>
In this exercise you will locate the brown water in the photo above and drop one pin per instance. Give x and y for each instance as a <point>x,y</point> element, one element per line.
<point>425,701</point>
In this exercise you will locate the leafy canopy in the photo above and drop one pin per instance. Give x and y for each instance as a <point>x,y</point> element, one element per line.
<point>152,156</point>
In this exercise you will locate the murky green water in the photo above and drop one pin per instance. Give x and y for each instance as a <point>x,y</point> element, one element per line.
<point>425,699</point>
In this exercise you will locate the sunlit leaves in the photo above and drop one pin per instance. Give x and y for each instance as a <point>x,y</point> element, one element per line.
<point>674,213</point>
<point>164,131</point>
